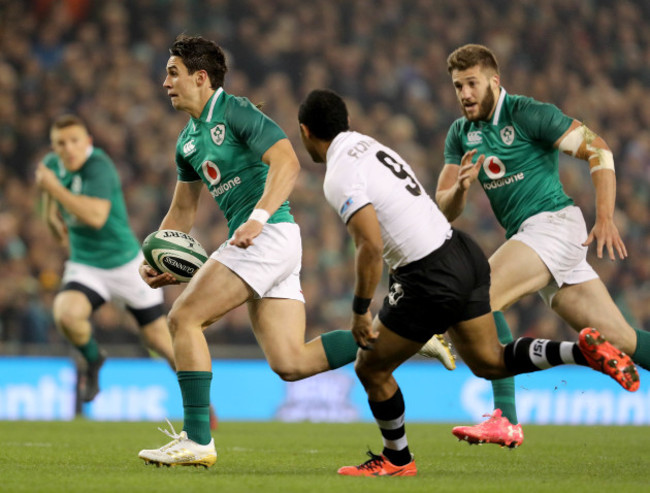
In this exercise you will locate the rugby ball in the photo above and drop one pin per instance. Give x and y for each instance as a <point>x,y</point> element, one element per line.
<point>174,252</point>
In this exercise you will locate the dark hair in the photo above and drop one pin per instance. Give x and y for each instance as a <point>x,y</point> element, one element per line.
<point>199,53</point>
<point>65,121</point>
<point>324,113</point>
<point>471,55</point>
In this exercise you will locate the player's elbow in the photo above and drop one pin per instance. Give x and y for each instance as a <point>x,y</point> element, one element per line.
<point>97,221</point>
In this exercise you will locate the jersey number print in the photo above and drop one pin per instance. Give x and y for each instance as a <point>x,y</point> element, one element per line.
<point>398,170</point>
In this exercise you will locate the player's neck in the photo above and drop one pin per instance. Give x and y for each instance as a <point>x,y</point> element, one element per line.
<point>202,99</point>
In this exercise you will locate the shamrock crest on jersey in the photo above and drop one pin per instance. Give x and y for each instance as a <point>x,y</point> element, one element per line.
<point>508,135</point>
<point>218,134</point>
<point>223,147</point>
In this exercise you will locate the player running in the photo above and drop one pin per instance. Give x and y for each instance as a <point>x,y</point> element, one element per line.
<point>439,280</point>
<point>249,167</point>
<point>516,141</point>
<point>85,210</point>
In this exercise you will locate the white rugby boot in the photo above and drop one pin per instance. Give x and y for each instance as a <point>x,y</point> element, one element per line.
<point>181,451</point>
<point>438,347</point>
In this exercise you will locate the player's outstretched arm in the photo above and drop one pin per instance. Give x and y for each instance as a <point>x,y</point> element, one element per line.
<point>581,142</point>
<point>453,183</point>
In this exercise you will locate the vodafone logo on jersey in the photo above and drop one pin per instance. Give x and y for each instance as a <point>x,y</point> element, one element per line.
<point>211,172</point>
<point>494,167</point>
<point>496,170</point>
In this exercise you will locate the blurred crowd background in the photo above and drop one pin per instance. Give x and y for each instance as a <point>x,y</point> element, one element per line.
<point>105,61</point>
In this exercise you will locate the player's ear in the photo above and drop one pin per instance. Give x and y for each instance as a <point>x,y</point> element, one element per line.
<point>496,81</point>
<point>201,77</point>
<point>304,130</point>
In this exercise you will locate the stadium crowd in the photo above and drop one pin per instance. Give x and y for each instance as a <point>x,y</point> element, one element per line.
<point>105,61</point>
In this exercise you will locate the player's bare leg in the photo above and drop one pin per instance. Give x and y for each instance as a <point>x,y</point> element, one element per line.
<point>71,312</point>
<point>156,336</point>
<point>375,371</point>
<point>516,271</point>
<point>589,304</point>
<point>279,326</point>
<point>212,292</point>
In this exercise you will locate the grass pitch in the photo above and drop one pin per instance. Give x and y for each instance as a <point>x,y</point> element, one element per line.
<point>83,456</point>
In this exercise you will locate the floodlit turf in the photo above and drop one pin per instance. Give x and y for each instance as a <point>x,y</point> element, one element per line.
<point>83,456</point>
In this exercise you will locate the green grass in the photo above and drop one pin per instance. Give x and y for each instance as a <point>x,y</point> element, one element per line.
<point>83,456</point>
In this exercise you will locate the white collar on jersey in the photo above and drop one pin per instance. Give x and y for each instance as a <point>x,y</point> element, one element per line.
<point>497,110</point>
<point>215,97</point>
<point>335,144</point>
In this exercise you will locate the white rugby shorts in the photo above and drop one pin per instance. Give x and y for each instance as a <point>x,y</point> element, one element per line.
<point>557,238</point>
<point>121,284</point>
<point>271,265</point>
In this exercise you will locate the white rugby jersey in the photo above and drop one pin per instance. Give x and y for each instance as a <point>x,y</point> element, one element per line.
<point>362,171</point>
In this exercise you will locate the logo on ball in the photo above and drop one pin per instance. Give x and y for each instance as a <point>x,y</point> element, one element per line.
<point>178,266</point>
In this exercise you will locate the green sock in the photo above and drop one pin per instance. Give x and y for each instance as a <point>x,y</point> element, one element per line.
<point>195,389</point>
<point>90,350</point>
<point>503,389</point>
<point>340,347</point>
<point>641,354</point>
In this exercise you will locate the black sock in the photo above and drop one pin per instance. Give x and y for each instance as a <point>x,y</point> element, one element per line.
<point>389,415</point>
<point>526,355</point>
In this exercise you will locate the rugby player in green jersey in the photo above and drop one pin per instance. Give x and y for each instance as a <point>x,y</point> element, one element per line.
<point>517,141</point>
<point>84,208</point>
<point>249,167</point>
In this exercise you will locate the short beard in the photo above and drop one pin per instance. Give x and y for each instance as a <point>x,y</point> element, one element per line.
<point>485,107</point>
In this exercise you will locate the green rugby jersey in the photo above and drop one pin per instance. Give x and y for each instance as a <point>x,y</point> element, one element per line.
<point>224,149</point>
<point>112,245</point>
<point>520,173</point>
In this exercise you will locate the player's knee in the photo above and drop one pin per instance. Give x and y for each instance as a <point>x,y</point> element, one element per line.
<point>370,376</point>
<point>287,371</point>
<point>174,323</point>
<point>182,318</point>
<point>67,320</point>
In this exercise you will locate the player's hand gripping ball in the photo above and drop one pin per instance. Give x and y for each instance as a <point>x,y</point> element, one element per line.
<point>174,252</point>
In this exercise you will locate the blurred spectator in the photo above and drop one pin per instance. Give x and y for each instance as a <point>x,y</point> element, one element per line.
<point>106,61</point>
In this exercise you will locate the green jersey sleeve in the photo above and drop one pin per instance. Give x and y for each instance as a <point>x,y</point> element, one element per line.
<point>251,126</point>
<point>51,161</point>
<point>543,122</point>
<point>184,170</point>
<point>98,180</point>
<point>454,144</point>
